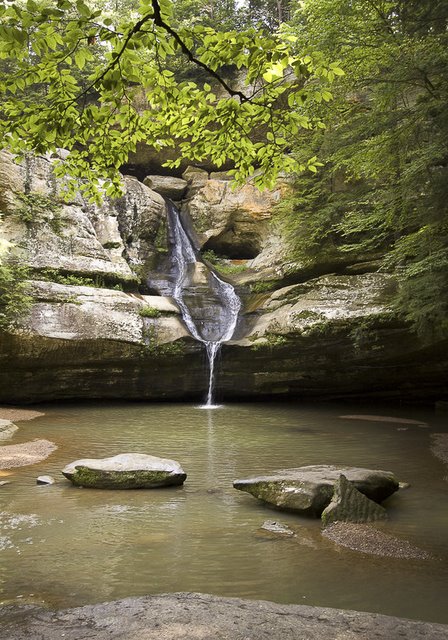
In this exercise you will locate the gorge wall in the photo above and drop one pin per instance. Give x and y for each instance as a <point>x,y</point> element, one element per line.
<point>99,328</point>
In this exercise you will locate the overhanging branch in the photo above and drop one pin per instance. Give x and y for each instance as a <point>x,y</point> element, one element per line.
<point>159,21</point>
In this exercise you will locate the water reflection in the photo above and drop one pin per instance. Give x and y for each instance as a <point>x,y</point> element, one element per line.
<point>211,452</point>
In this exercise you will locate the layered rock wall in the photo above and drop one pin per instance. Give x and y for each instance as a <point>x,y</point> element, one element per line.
<point>332,335</point>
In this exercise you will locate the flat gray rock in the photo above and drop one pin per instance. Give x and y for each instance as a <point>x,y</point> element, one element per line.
<point>193,616</point>
<point>125,471</point>
<point>309,490</point>
<point>20,455</point>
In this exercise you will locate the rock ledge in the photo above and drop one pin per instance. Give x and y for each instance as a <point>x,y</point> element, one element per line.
<point>193,616</point>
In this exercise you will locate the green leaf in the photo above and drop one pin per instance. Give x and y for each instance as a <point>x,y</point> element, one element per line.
<point>80,58</point>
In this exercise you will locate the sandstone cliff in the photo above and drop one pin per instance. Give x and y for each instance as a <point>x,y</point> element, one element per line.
<point>98,327</point>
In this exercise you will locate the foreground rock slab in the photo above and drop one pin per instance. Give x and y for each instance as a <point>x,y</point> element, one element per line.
<point>309,490</point>
<point>191,616</point>
<point>125,471</point>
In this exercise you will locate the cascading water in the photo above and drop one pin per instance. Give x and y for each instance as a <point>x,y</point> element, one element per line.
<point>209,306</point>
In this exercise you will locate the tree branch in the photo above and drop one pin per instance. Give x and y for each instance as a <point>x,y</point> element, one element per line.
<point>156,17</point>
<point>159,21</point>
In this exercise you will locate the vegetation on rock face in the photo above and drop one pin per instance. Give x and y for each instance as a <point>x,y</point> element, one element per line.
<point>73,279</point>
<point>153,346</point>
<point>223,265</point>
<point>384,187</point>
<point>149,312</point>
<point>14,299</point>
<point>34,207</point>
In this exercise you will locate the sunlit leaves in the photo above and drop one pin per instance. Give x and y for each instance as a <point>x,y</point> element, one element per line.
<point>79,77</point>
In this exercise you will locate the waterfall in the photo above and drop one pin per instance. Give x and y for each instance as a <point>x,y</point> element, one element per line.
<point>209,306</point>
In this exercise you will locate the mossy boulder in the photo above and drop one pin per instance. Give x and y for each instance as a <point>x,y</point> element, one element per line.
<point>309,490</point>
<point>125,471</point>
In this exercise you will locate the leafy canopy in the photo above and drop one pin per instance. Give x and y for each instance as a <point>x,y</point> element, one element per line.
<point>73,77</point>
<point>384,187</point>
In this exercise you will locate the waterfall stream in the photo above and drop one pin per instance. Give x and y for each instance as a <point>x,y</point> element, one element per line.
<point>209,306</point>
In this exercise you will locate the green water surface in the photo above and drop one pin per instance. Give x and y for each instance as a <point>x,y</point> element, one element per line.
<point>68,546</point>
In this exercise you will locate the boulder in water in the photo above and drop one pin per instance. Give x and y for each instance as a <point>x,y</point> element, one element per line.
<point>350,505</point>
<point>125,471</point>
<point>308,490</point>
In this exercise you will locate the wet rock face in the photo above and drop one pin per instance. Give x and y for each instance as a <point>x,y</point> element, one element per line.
<point>125,471</point>
<point>333,336</point>
<point>83,342</point>
<point>309,490</point>
<point>306,308</point>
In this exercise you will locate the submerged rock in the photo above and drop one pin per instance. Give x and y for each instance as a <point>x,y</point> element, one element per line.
<point>350,505</point>
<point>439,448</point>
<point>391,419</point>
<point>125,471</point>
<point>277,528</point>
<point>365,539</point>
<point>21,455</point>
<point>308,490</point>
